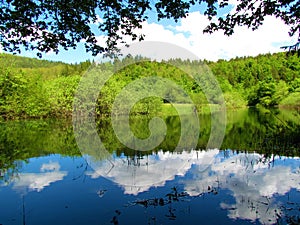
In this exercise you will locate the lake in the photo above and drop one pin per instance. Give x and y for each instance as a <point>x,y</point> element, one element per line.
<point>251,178</point>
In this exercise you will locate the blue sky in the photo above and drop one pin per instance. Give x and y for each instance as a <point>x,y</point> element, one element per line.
<point>187,33</point>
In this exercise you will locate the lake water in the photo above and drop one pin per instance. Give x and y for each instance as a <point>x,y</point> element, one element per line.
<point>253,178</point>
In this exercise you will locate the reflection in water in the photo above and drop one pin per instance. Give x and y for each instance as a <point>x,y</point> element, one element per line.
<point>138,173</point>
<point>252,179</point>
<point>247,186</point>
<point>39,160</point>
<point>49,173</point>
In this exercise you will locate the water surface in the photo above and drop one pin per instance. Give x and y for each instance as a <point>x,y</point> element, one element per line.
<point>252,178</point>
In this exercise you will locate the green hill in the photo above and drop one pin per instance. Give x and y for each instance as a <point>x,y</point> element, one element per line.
<point>40,88</point>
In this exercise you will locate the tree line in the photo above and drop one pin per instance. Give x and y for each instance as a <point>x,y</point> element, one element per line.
<point>40,88</point>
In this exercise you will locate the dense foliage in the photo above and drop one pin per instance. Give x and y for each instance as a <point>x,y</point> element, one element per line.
<point>267,80</point>
<point>39,88</point>
<point>52,25</point>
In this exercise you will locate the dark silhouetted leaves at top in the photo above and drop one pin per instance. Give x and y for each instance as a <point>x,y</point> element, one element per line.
<point>50,25</point>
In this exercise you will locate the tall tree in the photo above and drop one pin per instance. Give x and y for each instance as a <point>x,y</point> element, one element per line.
<point>45,25</point>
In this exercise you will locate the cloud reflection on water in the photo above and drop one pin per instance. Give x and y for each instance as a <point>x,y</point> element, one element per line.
<point>137,175</point>
<point>49,173</point>
<point>252,179</point>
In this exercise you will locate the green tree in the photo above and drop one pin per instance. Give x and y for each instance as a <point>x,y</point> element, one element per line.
<point>295,85</point>
<point>263,94</point>
<point>61,94</point>
<point>13,89</point>
<point>38,88</point>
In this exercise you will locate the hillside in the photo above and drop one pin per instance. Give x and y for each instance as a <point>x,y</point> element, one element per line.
<point>40,88</point>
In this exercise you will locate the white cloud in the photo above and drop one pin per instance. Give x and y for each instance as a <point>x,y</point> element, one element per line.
<point>151,171</point>
<point>38,181</point>
<point>51,166</point>
<point>249,177</point>
<point>244,42</point>
<point>252,183</point>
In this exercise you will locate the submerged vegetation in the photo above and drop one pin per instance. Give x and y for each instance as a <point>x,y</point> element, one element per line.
<point>40,88</point>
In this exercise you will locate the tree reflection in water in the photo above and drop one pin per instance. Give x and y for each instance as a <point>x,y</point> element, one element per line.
<point>257,182</point>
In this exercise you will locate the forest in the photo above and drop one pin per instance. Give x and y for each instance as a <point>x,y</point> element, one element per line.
<point>33,88</point>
